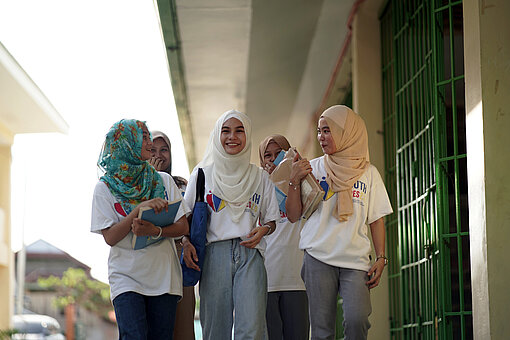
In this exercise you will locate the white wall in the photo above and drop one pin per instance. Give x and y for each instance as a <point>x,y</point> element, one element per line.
<point>487,72</point>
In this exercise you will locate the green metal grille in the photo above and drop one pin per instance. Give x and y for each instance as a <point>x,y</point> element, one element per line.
<point>422,59</point>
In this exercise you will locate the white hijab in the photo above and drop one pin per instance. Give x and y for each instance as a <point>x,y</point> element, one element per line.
<point>234,179</point>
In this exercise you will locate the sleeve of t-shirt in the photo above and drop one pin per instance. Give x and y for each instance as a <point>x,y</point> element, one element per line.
<point>379,204</point>
<point>269,210</point>
<point>190,194</point>
<point>174,194</point>
<point>103,211</point>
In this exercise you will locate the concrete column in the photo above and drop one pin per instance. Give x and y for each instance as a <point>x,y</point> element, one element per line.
<point>6,257</point>
<point>487,72</point>
<point>367,101</point>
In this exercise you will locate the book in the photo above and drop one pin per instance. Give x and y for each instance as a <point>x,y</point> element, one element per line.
<point>311,191</point>
<point>162,219</point>
<point>279,158</point>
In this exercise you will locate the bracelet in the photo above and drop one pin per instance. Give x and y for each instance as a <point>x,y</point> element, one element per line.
<point>271,229</point>
<point>294,185</point>
<point>159,235</point>
<point>382,257</point>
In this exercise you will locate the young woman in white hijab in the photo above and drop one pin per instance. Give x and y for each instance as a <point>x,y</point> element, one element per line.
<point>238,194</point>
<point>335,237</point>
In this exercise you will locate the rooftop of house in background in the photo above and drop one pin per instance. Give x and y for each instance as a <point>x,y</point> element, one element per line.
<point>44,259</point>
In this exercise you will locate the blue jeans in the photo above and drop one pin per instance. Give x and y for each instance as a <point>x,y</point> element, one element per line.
<point>323,282</point>
<point>141,317</point>
<point>233,279</point>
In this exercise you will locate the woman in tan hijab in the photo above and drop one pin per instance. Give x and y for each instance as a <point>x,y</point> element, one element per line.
<point>287,304</point>
<point>161,159</point>
<point>335,237</point>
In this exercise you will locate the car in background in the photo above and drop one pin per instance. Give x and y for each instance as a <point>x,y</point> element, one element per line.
<point>36,327</point>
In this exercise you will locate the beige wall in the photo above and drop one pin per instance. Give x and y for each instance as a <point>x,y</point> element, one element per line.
<point>487,70</point>
<point>6,259</point>
<point>367,101</point>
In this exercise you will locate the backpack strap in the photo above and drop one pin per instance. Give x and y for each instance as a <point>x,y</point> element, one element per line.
<point>200,192</point>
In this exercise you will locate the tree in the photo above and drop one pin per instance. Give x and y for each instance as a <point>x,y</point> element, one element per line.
<point>75,288</point>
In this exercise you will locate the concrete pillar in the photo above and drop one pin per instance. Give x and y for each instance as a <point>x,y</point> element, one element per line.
<point>367,101</point>
<point>6,257</point>
<point>487,78</point>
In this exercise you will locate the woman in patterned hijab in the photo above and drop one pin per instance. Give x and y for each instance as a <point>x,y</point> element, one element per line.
<point>131,179</point>
<point>146,283</point>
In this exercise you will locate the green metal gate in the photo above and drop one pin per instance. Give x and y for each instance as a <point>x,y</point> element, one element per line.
<point>425,160</point>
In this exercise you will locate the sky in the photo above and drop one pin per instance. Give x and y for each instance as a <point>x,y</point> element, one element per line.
<point>97,61</point>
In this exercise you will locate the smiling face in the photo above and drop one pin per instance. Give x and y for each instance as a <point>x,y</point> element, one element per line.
<point>233,137</point>
<point>325,137</point>
<point>146,144</point>
<point>160,150</point>
<point>272,151</point>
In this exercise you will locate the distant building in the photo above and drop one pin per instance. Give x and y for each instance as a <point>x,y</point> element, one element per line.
<point>43,260</point>
<point>23,109</point>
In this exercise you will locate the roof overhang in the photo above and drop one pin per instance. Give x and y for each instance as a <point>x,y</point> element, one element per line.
<point>23,106</point>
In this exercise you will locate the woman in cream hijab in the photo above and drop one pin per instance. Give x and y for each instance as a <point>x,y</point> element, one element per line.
<point>238,194</point>
<point>335,237</point>
<point>287,303</point>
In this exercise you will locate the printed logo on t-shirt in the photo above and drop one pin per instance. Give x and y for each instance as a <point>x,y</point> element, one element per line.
<point>359,190</point>
<point>119,209</point>
<point>325,186</point>
<point>253,204</point>
<point>215,202</point>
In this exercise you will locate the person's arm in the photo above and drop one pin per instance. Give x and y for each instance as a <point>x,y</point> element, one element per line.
<point>293,206</point>
<point>257,233</point>
<point>378,238</point>
<point>118,231</point>
<point>189,253</point>
<point>146,228</point>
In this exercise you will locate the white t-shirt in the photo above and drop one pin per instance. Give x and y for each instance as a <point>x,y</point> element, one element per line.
<point>262,204</point>
<point>283,258</point>
<point>151,271</point>
<point>345,244</point>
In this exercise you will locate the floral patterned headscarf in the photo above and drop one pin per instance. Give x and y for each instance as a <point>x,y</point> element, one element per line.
<point>130,179</point>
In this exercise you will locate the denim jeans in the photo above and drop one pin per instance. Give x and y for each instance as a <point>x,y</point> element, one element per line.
<point>141,317</point>
<point>233,279</point>
<point>323,282</point>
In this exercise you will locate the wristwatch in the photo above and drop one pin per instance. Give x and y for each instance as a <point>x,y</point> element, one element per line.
<point>382,257</point>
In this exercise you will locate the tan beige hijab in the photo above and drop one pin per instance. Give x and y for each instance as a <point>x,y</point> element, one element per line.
<point>278,139</point>
<point>351,159</point>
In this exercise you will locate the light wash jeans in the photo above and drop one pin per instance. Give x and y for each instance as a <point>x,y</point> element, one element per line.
<point>323,282</point>
<point>233,280</point>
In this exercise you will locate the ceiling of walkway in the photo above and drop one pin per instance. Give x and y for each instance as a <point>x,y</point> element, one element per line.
<point>270,59</point>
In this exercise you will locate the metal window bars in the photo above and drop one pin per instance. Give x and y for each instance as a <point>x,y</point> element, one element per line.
<point>424,131</point>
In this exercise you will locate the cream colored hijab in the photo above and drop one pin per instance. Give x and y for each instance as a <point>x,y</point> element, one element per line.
<point>233,178</point>
<point>351,159</point>
<point>278,139</point>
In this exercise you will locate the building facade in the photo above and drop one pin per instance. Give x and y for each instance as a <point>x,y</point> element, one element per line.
<point>430,78</point>
<point>23,109</point>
